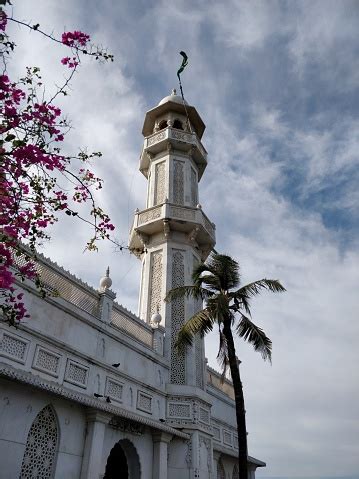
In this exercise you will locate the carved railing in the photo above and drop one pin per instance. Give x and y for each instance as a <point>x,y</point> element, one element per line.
<point>174,134</point>
<point>132,326</point>
<point>59,283</point>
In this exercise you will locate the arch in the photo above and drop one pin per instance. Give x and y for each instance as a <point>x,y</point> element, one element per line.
<point>162,125</point>
<point>220,470</point>
<point>235,473</point>
<point>178,124</point>
<point>41,446</point>
<point>123,462</point>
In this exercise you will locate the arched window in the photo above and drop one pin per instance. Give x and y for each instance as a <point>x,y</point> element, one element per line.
<point>235,473</point>
<point>178,124</point>
<point>41,446</point>
<point>220,470</point>
<point>162,125</point>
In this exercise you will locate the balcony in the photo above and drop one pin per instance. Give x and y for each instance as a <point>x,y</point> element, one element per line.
<point>171,217</point>
<point>180,140</point>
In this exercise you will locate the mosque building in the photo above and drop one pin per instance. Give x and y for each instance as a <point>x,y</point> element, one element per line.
<point>88,389</point>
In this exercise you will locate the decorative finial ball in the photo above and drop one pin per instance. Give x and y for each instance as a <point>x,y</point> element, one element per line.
<point>174,91</point>
<point>106,281</point>
<point>156,319</point>
<point>199,206</point>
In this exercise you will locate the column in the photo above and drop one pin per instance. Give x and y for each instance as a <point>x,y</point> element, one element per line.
<point>160,442</point>
<point>93,450</point>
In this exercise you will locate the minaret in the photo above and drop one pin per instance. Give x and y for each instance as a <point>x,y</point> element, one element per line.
<point>170,237</point>
<point>172,234</point>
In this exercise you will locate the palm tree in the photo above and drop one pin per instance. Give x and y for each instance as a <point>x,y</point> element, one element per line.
<point>227,306</point>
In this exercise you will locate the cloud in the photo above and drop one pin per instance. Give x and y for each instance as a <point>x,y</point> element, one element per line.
<point>276,84</point>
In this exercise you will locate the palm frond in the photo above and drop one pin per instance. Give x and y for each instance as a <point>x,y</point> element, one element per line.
<point>252,289</point>
<point>184,291</point>
<point>247,330</point>
<point>201,322</point>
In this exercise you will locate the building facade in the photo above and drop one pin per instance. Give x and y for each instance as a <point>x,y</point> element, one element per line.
<point>90,390</point>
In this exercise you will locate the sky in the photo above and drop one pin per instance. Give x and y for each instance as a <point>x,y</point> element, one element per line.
<point>276,83</point>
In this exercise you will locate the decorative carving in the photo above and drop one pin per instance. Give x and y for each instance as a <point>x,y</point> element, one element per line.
<point>227,438</point>
<point>144,402</point>
<point>160,190</point>
<point>193,234</point>
<point>194,188</point>
<point>204,415</point>
<point>178,182</point>
<point>166,228</point>
<point>125,425</point>
<point>178,365</point>
<point>179,410</point>
<point>13,347</point>
<point>155,283</point>
<point>114,389</point>
<point>46,361</point>
<point>189,453</point>
<point>156,138</point>
<point>216,433</point>
<point>41,446</point>
<point>149,215</point>
<point>76,374</point>
<point>183,213</point>
<point>207,442</point>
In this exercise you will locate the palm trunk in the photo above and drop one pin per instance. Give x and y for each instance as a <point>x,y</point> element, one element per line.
<point>239,400</point>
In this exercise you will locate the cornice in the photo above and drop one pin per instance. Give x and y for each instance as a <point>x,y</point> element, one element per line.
<point>50,387</point>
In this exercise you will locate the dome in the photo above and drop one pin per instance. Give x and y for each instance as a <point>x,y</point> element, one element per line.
<point>172,97</point>
<point>106,281</point>
<point>156,319</point>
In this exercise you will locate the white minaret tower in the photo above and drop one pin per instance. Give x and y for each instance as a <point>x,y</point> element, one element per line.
<point>170,237</point>
<point>172,234</point>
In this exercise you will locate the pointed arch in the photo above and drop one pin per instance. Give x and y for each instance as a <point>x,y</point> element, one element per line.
<point>41,446</point>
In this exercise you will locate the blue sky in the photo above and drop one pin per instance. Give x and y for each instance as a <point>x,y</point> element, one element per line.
<point>277,85</point>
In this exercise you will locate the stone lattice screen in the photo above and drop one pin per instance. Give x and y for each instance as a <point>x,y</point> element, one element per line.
<point>63,285</point>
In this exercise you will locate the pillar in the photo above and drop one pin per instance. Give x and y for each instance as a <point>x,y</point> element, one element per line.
<point>160,442</point>
<point>92,458</point>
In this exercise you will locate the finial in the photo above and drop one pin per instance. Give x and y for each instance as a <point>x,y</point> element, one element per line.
<point>174,91</point>
<point>106,281</point>
<point>156,318</point>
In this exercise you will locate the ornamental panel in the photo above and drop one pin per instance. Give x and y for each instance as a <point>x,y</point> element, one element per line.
<point>227,438</point>
<point>41,446</point>
<point>155,283</point>
<point>216,433</point>
<point>179,410</point>
<point>13,347</point>
<point>144,402</point>
<point>178,367</point>
<point>114,389</point>
<point>160,177</point>
<point>178,182</point>
<point>76,373</point>
<point>46,361</point>
<point>203,415</point>
<point>194,188</point>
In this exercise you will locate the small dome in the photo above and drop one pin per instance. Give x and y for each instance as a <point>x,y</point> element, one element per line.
<point>172,97</point>
<point>156,319</point>
<point>106,281</point>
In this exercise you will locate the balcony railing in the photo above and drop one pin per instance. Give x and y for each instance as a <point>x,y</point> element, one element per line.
<point>174,134</point>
